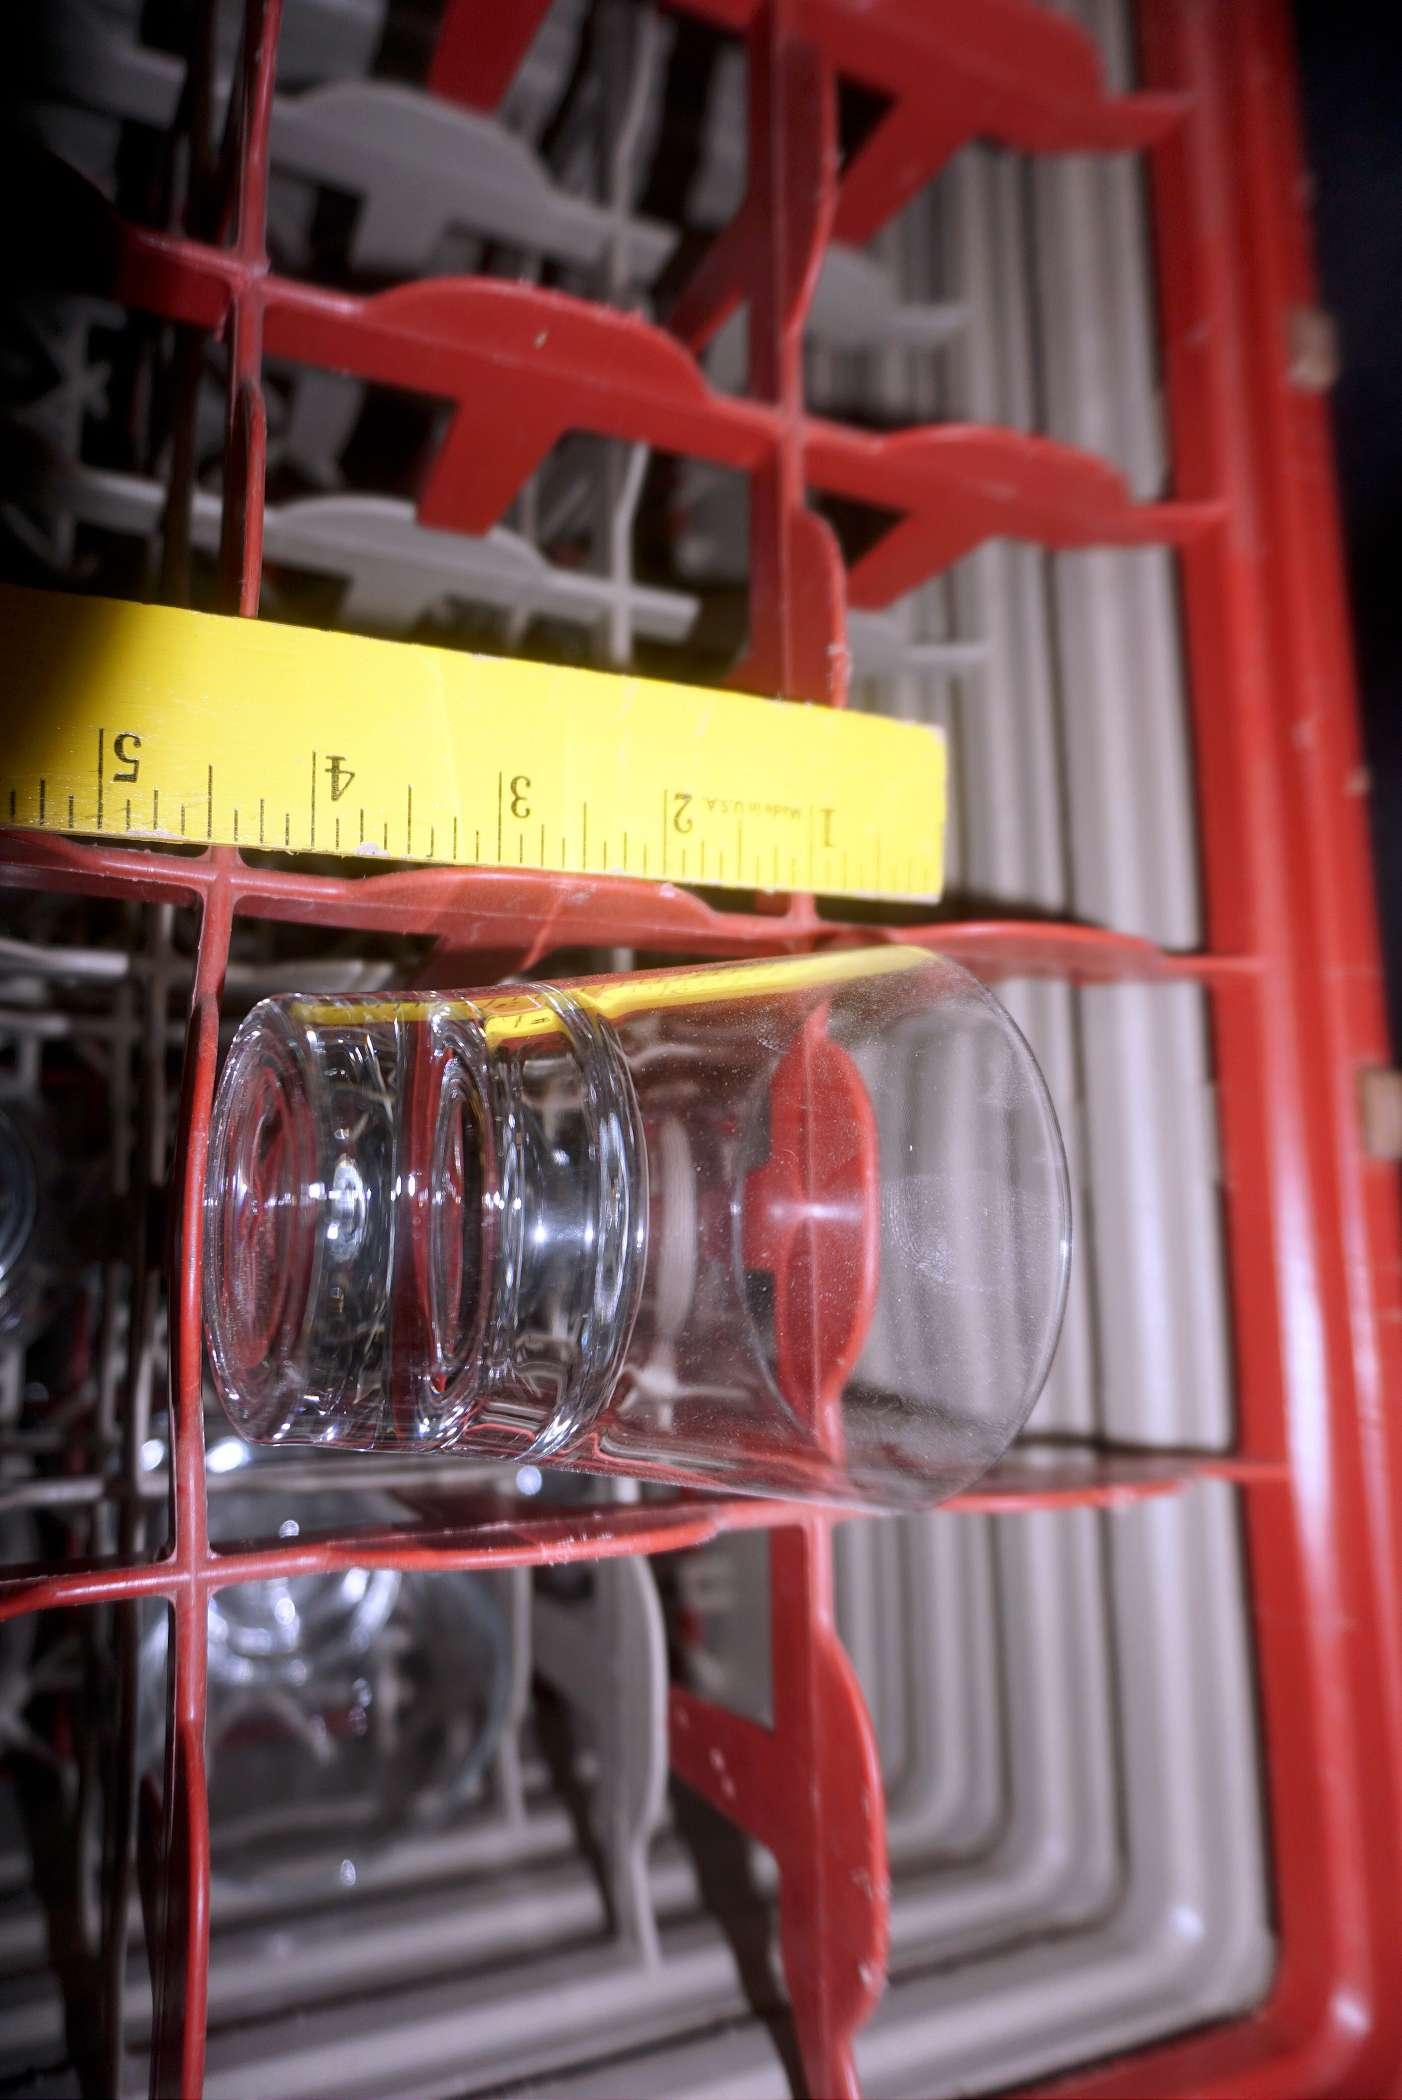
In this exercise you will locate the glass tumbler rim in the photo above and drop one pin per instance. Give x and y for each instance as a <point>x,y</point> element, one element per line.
<point>266,1037</point>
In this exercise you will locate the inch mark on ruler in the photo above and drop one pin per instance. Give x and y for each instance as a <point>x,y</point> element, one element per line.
<point>876,828</point>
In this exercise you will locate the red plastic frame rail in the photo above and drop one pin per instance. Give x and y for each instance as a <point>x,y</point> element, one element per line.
<point>1292,967</point>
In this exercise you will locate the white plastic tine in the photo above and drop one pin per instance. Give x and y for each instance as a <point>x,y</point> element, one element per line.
<point>607,1654</point>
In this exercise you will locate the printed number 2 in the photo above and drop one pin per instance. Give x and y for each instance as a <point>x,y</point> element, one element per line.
<point>680,805</point>
<point>124,748</point>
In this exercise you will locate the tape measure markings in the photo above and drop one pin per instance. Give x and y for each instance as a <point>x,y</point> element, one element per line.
<point>218,719</point>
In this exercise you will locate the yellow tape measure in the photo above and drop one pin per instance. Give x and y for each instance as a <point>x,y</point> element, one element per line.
<point>146,722</point>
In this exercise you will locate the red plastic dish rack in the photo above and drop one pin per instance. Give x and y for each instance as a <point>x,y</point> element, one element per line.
<point>1291,965</point>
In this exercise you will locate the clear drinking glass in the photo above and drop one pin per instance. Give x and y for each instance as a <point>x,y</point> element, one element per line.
<point>347,1710</point>
<point>798,1227</point>
<point>28,1268</point>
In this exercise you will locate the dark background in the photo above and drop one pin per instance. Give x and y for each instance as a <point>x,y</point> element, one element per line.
<point>1351,80</point>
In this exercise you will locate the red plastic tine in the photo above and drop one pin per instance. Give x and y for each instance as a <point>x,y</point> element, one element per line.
<point>1005,69</point>
<point>812,1220</point>
<point>182,1954</point>
<point>521,366</point>
<point>1008,68</point>
<point>479,49</point>
<point>246,446</point>
<point>831,1848</point>
<point>809,1788</point>
<point>182,1962</point>
<point>798,641</point>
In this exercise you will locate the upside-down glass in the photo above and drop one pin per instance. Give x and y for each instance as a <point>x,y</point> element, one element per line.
<point>347,1710</point>
<point>29,1183</point>
<point>798,1227</point>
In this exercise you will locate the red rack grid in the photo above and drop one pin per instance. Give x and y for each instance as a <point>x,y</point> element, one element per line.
<point>1291,966</point>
